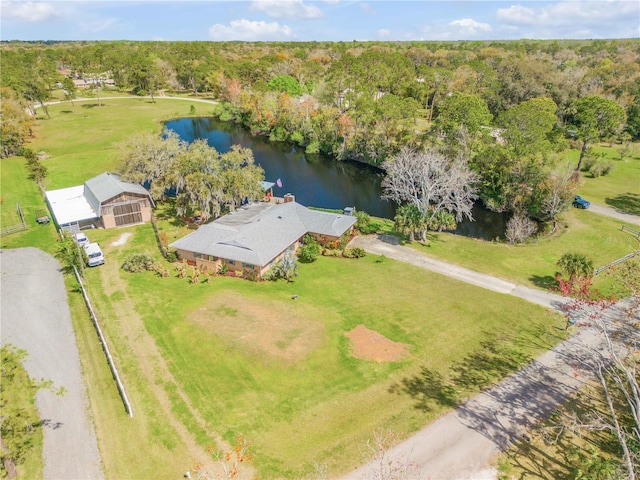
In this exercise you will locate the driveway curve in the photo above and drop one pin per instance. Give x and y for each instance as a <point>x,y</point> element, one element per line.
<point>390,247</point>
<point>36,318</point>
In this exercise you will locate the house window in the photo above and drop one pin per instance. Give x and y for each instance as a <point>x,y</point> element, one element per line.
<point>212,258</point>
<point>247,265</point>
<point>196,255</point>
<point>231,262</point>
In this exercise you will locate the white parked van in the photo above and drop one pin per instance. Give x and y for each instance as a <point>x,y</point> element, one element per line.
<point>94,254</point>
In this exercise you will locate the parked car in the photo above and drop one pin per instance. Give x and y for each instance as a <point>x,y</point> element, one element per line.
<point>81,239</point>
<point>94,254</point>
<point>580,202</point>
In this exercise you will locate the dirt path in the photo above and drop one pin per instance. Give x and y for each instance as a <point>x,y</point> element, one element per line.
<point>135,339</point>
<point>36,318</point>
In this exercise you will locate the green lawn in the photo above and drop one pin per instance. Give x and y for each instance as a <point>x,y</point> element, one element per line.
<point>80,141</point>
<point>620,188</point>
<point>247,359</point>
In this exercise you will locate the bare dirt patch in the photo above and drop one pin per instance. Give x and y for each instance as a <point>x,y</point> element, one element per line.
<point>370,345</point>
<point>277,329</point>
<point>122,240</point>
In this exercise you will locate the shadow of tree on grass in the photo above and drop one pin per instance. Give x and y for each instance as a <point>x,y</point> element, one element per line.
<point>626,203</point>
<point>426,388</point>
<point>547,282</point>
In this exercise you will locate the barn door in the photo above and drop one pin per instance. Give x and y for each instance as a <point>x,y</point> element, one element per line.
<point>127,213</point>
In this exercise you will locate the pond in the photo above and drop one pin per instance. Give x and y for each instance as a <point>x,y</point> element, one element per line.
<point>318,181</point>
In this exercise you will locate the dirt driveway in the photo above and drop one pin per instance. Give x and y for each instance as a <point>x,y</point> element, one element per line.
<point>35,317</point>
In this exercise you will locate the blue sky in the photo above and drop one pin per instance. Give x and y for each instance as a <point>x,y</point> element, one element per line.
<point>324,20</point>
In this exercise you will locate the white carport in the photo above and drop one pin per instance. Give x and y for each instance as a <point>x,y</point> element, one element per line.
<point>70,207</point>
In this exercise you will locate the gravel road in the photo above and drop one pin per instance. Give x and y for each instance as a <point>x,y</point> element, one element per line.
<point>35,317</point>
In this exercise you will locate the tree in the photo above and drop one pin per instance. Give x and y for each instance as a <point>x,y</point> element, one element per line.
<point>561,186</point>
<point>461,117</point>
<point>285,83</point>
<point>596,118</point>
<point>614,362</point>
<point>408,220</point>
<point>431,182</point>
<point>69,89</point>
<point>286,268</point>
<point>19,421</point>
<point>15,123</point>
<point>576,266</point>
<point>69,253</point>
<point>147,158</point>
<point>528,126</point>
<point>519,228</point>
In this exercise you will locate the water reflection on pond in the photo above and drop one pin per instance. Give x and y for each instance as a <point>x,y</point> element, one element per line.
<point>315,180</point>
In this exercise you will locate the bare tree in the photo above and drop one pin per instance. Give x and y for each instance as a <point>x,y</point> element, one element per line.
<point>431,182</point>
<point>384,466</point>
<point>561,186</point>
<point>519,228</point>
<point>614,363</point>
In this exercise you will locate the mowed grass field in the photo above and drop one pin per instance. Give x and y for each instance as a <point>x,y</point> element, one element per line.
<point>234,357</point>
<point>205,362</point>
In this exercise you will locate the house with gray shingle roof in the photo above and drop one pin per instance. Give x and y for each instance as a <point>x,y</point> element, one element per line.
<point>104,201</point>
<point>257,236</point>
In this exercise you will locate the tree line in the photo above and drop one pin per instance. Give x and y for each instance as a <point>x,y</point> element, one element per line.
<point>504,108</point>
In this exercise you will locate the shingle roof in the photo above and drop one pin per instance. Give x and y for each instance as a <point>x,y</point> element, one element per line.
<point>106,186</point>
<point>259,233</point>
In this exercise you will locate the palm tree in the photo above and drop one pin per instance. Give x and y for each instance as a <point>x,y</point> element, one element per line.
<point>576,266</point>
<point>408,220</point>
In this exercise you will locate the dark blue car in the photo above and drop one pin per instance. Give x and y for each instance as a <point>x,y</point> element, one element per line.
<point>580,202</point>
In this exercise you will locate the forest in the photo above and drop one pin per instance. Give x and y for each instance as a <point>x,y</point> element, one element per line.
<point>507,108</point>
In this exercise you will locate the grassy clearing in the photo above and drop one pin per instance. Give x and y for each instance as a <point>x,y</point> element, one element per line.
<point>16,187</point>
<point>599,238</point>
<point>619,189</point>
<point>318,404</point>
<point>81,140</point>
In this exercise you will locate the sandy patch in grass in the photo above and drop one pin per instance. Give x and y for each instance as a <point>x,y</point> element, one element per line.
<point>370,345</point>
<point>284,330</point>
<point>122,240</point>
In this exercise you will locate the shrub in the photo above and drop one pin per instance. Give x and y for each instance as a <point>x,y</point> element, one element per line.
<point>364,224</point>
<point>223,269</point>
<point>601,168</point>
<point>251,275</point>
<point>308,253</point>
<point>519,228</point>
<point>355,252</point>
<point>172,257</point>
<point>138,262</point>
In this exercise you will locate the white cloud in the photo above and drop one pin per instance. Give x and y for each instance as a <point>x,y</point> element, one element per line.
<point>287,9</point>
<point>384,33</point>
<point>463,29</point>
<point>577,14</point>
<point>366,8</point>
<point>29,11</point>
<point>247,30</point>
